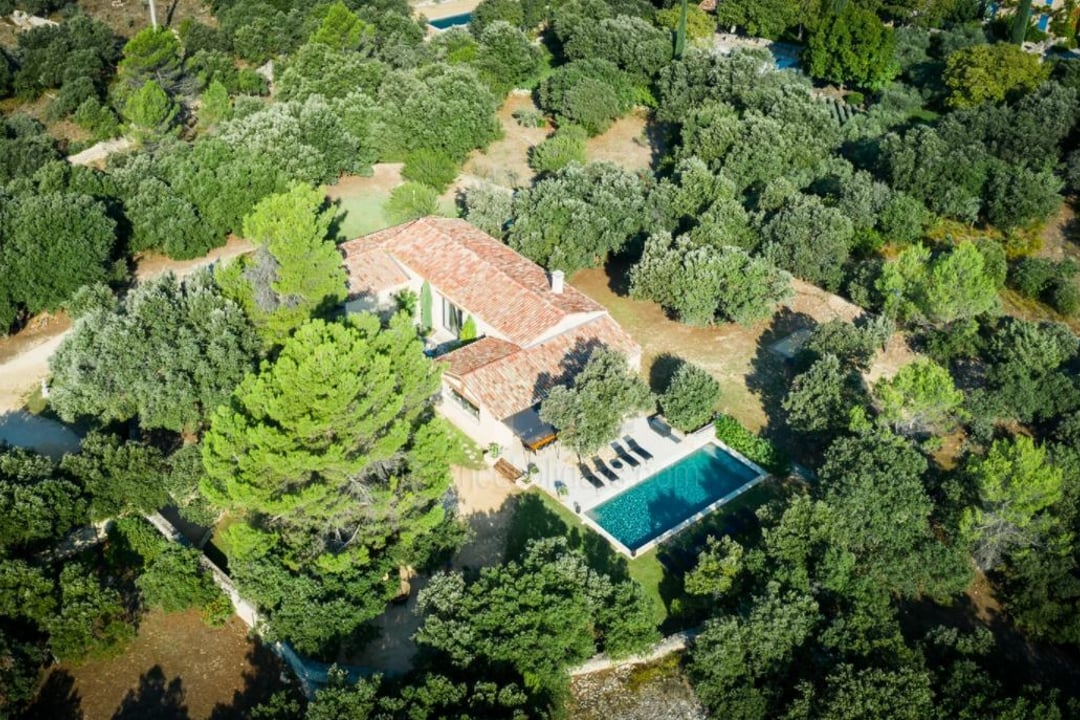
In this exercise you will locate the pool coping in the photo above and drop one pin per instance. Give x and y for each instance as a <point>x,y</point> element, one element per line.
<point>709,509</point>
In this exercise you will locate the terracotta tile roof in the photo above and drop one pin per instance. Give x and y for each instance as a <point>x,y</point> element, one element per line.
<point>477,272</point>
<point>477,354</point>
<point>372,271</point>
<point>493,374</point>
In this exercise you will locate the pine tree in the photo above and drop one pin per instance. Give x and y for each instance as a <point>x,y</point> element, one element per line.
<point>314,439</point>
<point>296,273</point>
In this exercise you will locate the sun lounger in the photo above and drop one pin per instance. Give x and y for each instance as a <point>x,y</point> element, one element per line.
<point>623,455</point>
<point>589,476</point>
<point>633,445</point>
<point>604,469</point>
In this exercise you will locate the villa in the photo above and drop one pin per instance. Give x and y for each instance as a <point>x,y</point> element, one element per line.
<point>507,332</point>
<point>529,329</point>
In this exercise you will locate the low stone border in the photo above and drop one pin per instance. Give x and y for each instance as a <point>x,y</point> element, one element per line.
<point>677,642</point>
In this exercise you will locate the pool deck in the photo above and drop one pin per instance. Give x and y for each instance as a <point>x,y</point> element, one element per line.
<point>439,10</point>
<point>557,468</point>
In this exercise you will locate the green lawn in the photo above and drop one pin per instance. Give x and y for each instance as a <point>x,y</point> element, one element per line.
<point>464,452</point>
<point>361,215</point>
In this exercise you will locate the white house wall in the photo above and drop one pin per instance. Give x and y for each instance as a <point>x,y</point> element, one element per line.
<point>483,430</point>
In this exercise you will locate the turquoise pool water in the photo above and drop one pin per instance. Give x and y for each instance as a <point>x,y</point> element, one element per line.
<point>654,506</point>
<point>452,21</point>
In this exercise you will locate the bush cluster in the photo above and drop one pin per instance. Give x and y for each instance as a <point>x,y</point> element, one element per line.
<point>1051,282</point>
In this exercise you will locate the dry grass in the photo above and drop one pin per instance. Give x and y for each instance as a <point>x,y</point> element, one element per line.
<point>176,667</point>
<point>505,162</point>
<point>735,355</point>
<point>127,17</point>
<point>625,144</point>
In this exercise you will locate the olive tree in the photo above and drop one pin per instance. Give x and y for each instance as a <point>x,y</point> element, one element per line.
<point>589,414</point>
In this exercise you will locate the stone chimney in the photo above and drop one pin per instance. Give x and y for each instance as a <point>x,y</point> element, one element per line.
<point>557,280</point>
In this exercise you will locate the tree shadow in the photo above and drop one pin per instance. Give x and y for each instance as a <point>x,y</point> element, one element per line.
<point>572,363</point>
<point>170,12</point>
<point>57,699</point>
<point>261,681</point>
<point>1017,660</point>
<point>617,268</point>
<point>155,697</point>
<point>660,136</point>
<point>534,520</point>
<point>663,369</point>
<point>337,221</point>
<point>771,374</point>
<point>1071,231</point>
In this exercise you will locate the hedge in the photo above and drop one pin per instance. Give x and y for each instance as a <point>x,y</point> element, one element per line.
<point>756,449</point>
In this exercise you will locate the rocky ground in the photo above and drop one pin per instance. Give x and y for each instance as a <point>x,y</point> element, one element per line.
<point>658,691</point>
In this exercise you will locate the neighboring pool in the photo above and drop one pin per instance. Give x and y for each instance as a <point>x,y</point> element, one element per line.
<point>786,62</point>
<point>451,21</point>
<point>672,496</point>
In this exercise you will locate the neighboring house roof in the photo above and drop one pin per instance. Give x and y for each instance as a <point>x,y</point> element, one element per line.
<point>477,272</point>
<point>507,379</point>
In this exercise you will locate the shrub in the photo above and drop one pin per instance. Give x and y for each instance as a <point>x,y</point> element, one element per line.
<point>855,98</point>
<point>567,145</point>
<point>1065,297</point>
<point>468,330</point>
<point>1030,276</point>
<point>97,119</point>
<point>589,93</point>
<point>529,118</point>
<point>1048,281</point>
<point>430,167</point>
<point>756,449</point>
<point>410,201</point>
<point>174,581</point>
<point>689,401</point>
<point>218,611</point>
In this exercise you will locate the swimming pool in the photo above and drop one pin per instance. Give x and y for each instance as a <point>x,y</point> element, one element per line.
<point>674,495</point>
<point>451,21</point>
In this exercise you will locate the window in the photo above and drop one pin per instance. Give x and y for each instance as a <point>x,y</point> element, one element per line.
<point>464,404</point>
<point>451,316</point>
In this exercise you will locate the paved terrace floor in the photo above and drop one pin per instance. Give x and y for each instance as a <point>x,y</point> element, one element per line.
<point>558,466</point>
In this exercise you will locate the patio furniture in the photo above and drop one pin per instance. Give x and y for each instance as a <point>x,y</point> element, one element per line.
<point>590,477</point>
<point>633,445</point>
<point>508,471</point>
<point>604,469</point>
<point>626,457</point>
